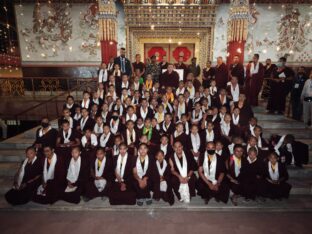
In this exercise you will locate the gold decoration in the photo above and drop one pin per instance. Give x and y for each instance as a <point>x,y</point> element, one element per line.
<point>238,20</point>
<point>11,87</point>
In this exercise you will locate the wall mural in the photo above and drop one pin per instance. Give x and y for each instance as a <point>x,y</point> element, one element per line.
<point>58,32</point>
<point>281,30</point>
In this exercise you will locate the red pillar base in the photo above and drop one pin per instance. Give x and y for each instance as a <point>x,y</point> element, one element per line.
<point>108,50</point>
<point>235,48</point>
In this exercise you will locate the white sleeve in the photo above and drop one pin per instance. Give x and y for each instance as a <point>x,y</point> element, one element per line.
<point>94,141</point>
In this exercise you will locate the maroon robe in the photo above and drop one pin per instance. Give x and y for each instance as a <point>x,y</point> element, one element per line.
<point>221,76</point>
<point>175,182</point>
<point>56,186</point>
<point>65,152</point>
<point>280,190</point>
<point>157,194</point>
<point>245,113</point>
<point>90,190</point>
<point>235,188</point>
<point>253,84</point>
<point>279,90</point>
<point>208,75</point>
<point>251,175</point>
<point>24,195</point>
<point>145,192</point>
<point>48,139</point>
<point>203,189</point>
<point>169,80</point>
<point>128,197</point>
<point>74,197</point>
<point>238,71</point>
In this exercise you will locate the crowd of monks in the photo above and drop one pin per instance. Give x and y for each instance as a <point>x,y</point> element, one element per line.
<point>142,137</point>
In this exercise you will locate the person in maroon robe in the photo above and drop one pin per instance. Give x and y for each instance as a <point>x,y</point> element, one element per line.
<point>100,177</point>
<point>26,179</point>
<point>142,173</point>
<point>269,68</point>
<point>245,109</point>
<point>183,178</point>
<point>122,191</point>
<point>208,74</point>
<point>233,165</point>
<point>237,70</point>
<point>45,135</point>
<point>54,178</point>
<point>77,176</point>
<point>67,139</point>
<point>161,175</point>
<point>251,174</point>
<point>221,74</point>
<point>170,78</point>
<point>254,80</point>
<point>275,179</point>
<point>211,182</point>
<point>281,83</point>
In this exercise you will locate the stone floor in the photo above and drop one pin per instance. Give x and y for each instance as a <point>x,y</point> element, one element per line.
<point>149,222</point>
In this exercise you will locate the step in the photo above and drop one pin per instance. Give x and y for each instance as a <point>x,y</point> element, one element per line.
<point>8,168</point>
<point>12,155</point>
<point>298,133</point>
<point>281,124</point>
<point>265,116</point>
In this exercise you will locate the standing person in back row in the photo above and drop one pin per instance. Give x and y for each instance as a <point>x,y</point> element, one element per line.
<point>254,80</point>
<point>221,74</point>
<point>123,62</point>
<point>281,82</point>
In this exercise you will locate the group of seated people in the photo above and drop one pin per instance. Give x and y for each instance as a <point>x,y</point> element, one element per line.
<point>138,142</point>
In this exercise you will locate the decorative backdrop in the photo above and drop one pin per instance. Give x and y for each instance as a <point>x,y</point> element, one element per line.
<point>52,33</point>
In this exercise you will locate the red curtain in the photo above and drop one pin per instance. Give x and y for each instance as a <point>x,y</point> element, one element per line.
<point>235,48</point>
<point>108,50</point>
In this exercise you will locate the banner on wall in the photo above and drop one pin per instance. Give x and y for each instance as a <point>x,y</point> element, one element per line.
<point>171,50</point>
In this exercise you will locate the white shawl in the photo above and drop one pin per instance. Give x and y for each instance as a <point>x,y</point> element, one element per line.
<point>273,174</point>
<point>83,122</point>
<point>73,170</point>
<point>209,136</point>
<point>129,141</point>
<point>22,171</point>
<point>48,174</point>
<point>121,165</point>
<point>104,139</point>
<point>210,171</point>
<point>184,188</point>
<point>94,141</point>
<point>235,119</point>
<point>100,184</point>
<point>142,171</point>
<point>195,139</point>
<point>161,171</point>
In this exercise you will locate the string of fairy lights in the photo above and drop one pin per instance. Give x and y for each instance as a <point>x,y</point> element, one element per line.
<point>9,58</point>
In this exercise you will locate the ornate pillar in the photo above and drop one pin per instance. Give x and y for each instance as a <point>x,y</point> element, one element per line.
<point>237,29</point>
<point>108,29</point>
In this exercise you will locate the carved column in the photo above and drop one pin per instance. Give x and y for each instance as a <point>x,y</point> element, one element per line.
<point>237,29</point>
<point>108,29</point>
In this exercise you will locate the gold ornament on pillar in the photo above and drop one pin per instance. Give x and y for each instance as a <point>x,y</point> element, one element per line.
<point>107,20</point>
<point>238,20</point>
